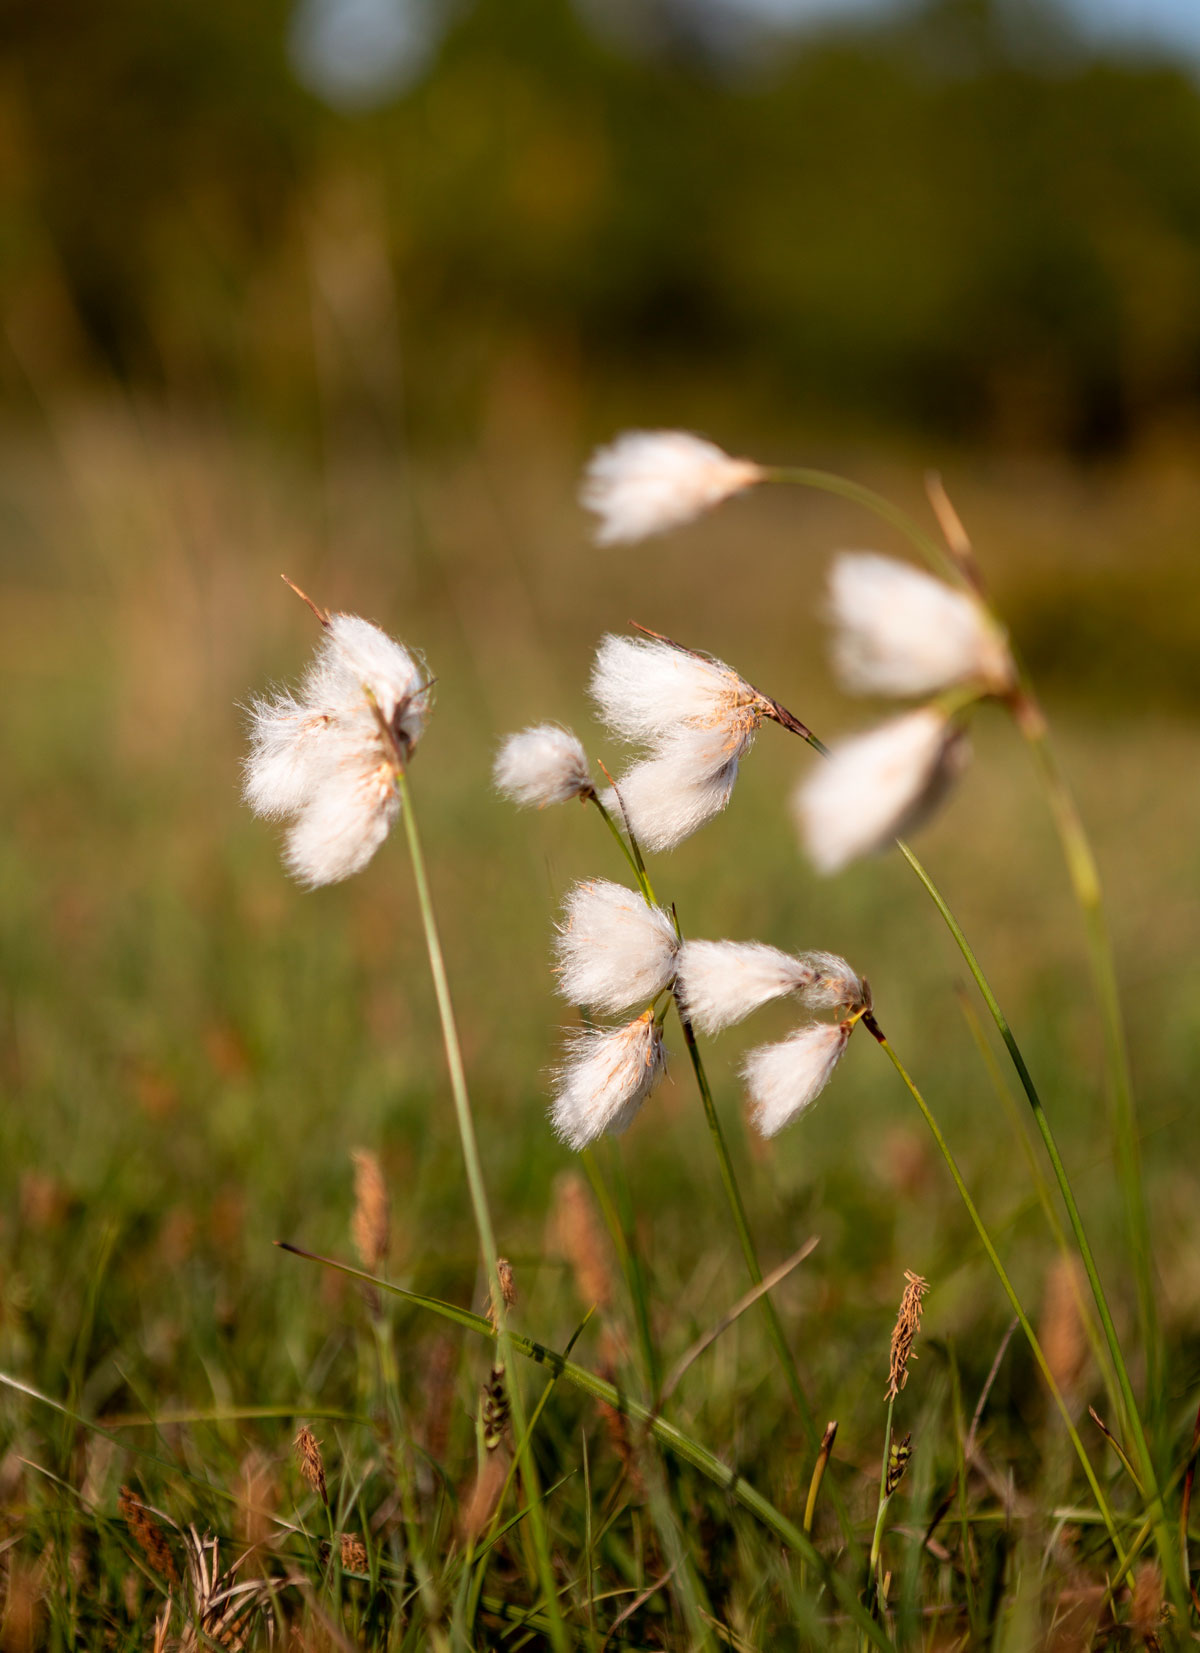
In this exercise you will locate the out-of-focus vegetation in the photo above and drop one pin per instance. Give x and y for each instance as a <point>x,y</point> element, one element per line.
<point>244,334</point>
<point>960,223</point>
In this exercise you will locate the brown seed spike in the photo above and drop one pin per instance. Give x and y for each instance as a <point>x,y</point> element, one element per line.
<point>372,1215</point>
<point>354,1553</point>
<point>148,1536</point>
<point>908,1324</point>
<point>312,1465</point>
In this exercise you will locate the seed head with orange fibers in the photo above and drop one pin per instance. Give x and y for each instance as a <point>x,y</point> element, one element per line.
<point>148,1536</point>
<point>312,1465</point>
<point>904,1333</point>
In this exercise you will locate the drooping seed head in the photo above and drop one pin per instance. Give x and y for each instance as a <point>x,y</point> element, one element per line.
<point>785,1078</point>
<point>900,631</point>
<point>607,1075</point>
<point>542,765</point>
<point>326,759</point>
<point>613,948</point>
<point>879,786</point>
<point>646,482</point>
<point>722,982</point>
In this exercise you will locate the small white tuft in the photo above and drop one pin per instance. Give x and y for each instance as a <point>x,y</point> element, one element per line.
<point>719,983</point>
<point>613,948</point>
<point>646,482</point>
<point>667,797</point>
<point>900,631</point>
<point>542,765</point>
<point>327,758</point>
<point>878,786</point>
<point>783,1079</point>
<point>608,1074</point>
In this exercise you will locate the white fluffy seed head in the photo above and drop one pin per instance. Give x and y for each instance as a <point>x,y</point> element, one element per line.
<point>783,1079</point>
<point>665,798</point>
<point>613,949</point>
<point>722,982</point>
<point>607,1075</point>
<point>900,631</point>
<point>646,482</point>
<point>647,691</point>
<point>878,786</point>
<point>326,759</point>
<point>542,765</point>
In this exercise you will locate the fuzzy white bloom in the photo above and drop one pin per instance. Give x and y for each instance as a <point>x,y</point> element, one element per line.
<point>326,759</point>
<point>613,948</point>
<point>900,631</point>
<point>783,1079</point>
<point>722,982</point>
<point>542,765</point>
<point>647,690</point>
<point>666,798</point>
<point>608,1074</point>
<point>878,786</point>
<point>647,481</point>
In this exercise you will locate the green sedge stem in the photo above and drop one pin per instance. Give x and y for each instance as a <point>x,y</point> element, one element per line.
<point>873,1590</point>
<point>993,1256</point>
<point>1085,883</point>
<point>483,1220</point>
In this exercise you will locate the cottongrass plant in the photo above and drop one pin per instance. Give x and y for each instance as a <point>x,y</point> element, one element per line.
<point>331,760</point>
<point>960,649</point>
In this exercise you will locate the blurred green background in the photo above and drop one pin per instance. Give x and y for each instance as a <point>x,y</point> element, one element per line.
<point>368,339</point>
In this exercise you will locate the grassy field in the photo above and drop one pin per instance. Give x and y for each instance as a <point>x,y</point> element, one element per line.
<point>191,1049</point>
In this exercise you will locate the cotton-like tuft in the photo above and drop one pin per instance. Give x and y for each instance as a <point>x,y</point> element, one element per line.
<point>900,631</point>
<point>646,482</point>
<point>784,1079</point>
<point>647,690</point>
<point>326,759</point>
<point>698,718</point>
<point>613,948</point>
<point>607,1075</point>
<point>722,982</point>
<point>668,797</point>
<point>878,786</point>
<point>542,765</point>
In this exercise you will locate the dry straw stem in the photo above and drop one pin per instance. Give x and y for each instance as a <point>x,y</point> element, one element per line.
<point>148,1536</point>
<point>904,1333</point>
<point>312,1465</point>
<point>372,1212</point>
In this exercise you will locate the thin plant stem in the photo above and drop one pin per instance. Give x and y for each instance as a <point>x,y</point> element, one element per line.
<point>483,1220</point>
<point>873,1590</point>
<point>676,1441</point>
<point>993,1256</point>
<point>1045,1199</point>
<point>1084,876</point>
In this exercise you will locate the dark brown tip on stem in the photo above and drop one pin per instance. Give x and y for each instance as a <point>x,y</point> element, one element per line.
<point>321,613</point>
<point>873,1027</point>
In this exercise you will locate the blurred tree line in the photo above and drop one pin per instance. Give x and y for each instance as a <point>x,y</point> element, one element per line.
<point>948,223</point>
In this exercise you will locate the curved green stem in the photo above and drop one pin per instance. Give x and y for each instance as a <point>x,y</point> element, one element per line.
<point>993,1257</point>
<point>1084,875</point>
<point>483,1219</point>
<point>828,482</point>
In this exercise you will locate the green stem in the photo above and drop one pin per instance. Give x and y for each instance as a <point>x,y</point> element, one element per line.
<point>1085,883</point>
<point>873,1590</point>
<point>827,482</point>
<point>741,1223</point>
<point>483,1220</point>
<point>993,1256</point>
<point>674,1439</point>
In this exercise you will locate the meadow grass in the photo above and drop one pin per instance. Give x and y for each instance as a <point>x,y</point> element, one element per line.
<point>193,1048</point>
